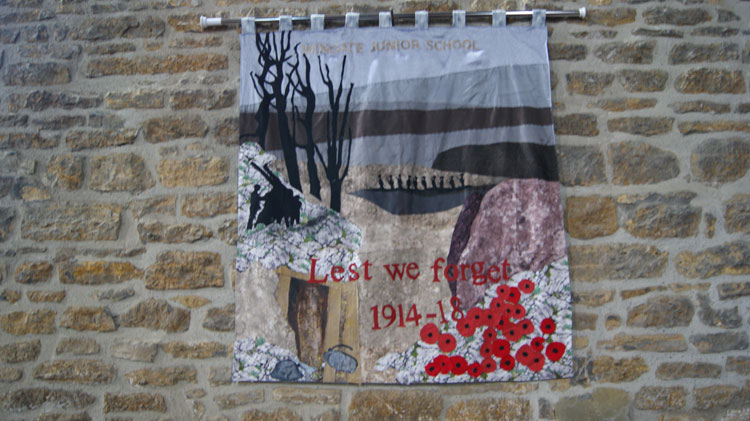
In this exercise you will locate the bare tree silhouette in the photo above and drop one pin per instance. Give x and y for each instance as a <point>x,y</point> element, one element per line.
<point>274,89</point>
<point>336,134</point>
<point>303,87</point>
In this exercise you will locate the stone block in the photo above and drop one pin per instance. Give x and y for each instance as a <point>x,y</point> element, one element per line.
<point>712,343</point>
<point>238,399</point>
<point>29,323</point>
<point>711,81</point>
<point>134,402</point>
<point>198,350</point>
<point>193,172</point>
<point>698,53</point>
<point>220,319</point>
<point>163,129</point>
<point>590,216</point>
<point>94,139</point>
<point>120,172</point>
<point>660,216</point>
<point>663,311</point>
<point>33,272</point>
<point>581,165</point>
<point>77,346</point>
<point>97,319</point>
<point>156,314</point>
<point>37,74</point>
<point>615,261</point>
<point>645,343</point>
<point>576,124</point>
<point>607,369</point>
<point>660,398</point>
<point>684,370</point>
<point>151,65</point>
<point>98,272</point>
<point>728,259</point>
<point>134,350</point>
<point>408,404</point>
<point>639,52</point>
<point>76,371</point>
<point>162,376</point>
<point>588,83</point>
<point>137,98</point>
<point>641,126</point>
<point>65,171</point>
<point>674,16</point>
<point>207,205</point>
<point>19,352</point>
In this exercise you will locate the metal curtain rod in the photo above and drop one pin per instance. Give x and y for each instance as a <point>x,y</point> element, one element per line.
<point>207,22</point>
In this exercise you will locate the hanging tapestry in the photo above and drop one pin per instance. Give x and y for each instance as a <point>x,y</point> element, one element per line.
<point>399,209</point>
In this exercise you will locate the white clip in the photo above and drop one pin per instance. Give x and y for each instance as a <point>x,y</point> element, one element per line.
<point>459,18</point>
<point>421,19</point>
<point>248,25</point>
<point>385,20</point>
<point>498,18</point>
<point>285,23</point>
<point>351,20</point>
<point>317,22</point>
<point>538,17</point>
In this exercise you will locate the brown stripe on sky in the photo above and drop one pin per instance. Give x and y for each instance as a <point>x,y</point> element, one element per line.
<point>418,122</point>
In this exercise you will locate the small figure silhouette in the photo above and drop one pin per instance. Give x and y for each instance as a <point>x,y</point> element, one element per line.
<point>461,180</point>
<point>380,182</point>
<point>390,181</point>
<point>400,182</point>
<point>408,183</point>
<point>255,200</point>
<point>434,181</point>
<point>442,184</point>
<point>424,183</point>
<point>452,182</point>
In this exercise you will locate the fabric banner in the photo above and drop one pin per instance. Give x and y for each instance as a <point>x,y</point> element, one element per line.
<point>399,211</point>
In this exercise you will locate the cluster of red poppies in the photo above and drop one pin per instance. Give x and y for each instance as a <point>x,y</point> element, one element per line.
<point>504,323</point>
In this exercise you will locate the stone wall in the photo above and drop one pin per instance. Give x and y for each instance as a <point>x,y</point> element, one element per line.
<point>118,144</point>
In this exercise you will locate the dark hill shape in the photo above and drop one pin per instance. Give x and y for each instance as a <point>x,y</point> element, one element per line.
<point>411,202</point>
<point>514,160</point>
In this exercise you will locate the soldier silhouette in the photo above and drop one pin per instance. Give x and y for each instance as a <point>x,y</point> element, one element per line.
<point>255,200</point>
<point>281,205</point>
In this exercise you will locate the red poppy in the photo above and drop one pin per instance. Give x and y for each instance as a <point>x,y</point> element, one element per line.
<point>432,369</point>
<point>548,326</point>
<point>517,311</point>
<point>524,353</point>
<point>489,334</point>
<point>502,292</point>
<point>474,315</point>
<point>429,333</point>
<point>488,317</point>
<point>536,362</point>
<point>507,363</point>
<point>465,327</point>
<point>526,286</point>
<point>500,348</point>
<point>458,365</point>
<point>474,369</point>
<point>489,365</point>
<point>446,342</point>
<point>497,304</point>
<point>514,294</point>
<point>502,323</point>
<point>526,326</point>
<point>512,333</point>
<point>555,351</point>
<point>537,343</point>
<point>486,349</point>
<point>443,363</point>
